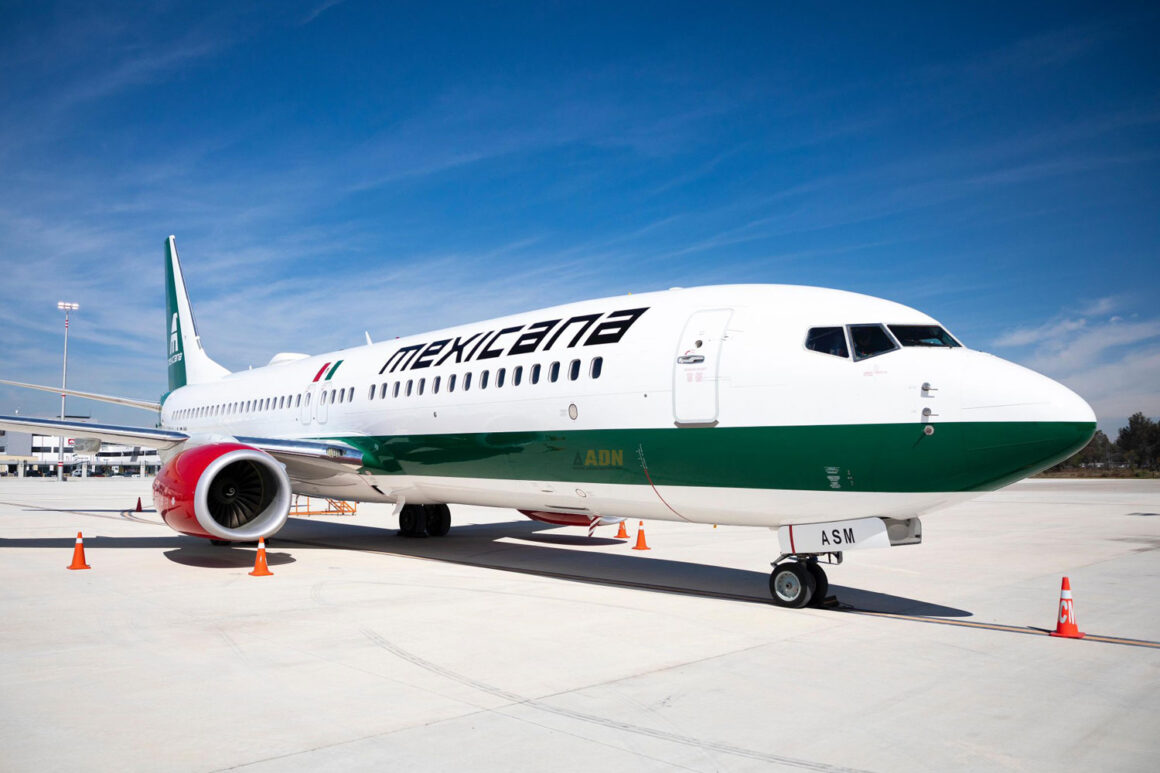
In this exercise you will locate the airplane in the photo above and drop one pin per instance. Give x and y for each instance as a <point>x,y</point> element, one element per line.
<point>833,418</point>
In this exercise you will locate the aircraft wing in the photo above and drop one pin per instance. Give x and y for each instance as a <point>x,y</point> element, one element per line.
<point>308,462</point>
<point>285,451</point>
<point>145,405</point>
<point>161,439</point>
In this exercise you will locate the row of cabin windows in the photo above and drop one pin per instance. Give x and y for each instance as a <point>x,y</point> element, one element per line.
<point>536,373</point>
<point>281,402</point>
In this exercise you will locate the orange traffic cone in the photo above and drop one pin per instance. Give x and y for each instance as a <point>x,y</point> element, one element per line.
<point>260,568</point>
<point>79,554</point>
<point>138,504</point>
<point>623,533</point>
<point>640,543</point>
<point>1065,623</point>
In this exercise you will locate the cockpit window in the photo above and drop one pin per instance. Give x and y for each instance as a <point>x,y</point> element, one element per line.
<point>922,335</point>
<point>870,341</point>
<point>828,340</point>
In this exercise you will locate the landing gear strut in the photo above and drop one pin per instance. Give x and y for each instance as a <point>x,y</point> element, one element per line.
<point>800,582</point>
<point>424,521</point>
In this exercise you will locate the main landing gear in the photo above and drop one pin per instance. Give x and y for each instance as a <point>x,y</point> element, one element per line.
<point>424,521</point>
<point>801,581</point>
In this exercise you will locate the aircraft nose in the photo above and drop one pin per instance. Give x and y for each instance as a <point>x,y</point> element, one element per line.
<point>997,390</point>
<point>1018,422</point>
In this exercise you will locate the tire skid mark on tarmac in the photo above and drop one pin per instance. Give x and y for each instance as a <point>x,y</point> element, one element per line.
<point>724,596</point>
<point>580,716</point>
<point>130,515</point>
<point>999,627</point>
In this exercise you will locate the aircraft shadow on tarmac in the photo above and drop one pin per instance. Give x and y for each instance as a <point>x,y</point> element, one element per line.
<point>524,550</point>
<point>528,551</point>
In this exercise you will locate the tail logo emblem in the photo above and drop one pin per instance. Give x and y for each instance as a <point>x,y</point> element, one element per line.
<point>173,336</point>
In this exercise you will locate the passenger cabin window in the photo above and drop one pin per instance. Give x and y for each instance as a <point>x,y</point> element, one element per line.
<point>870,341</point>
<point>536,374</point>
<point>597,366</point>
<point>574,370</point>
<point>451,383</point>
<point>827,340</point>
<point>517,375</point>
<point>922,335</point>
<point>466,382</point>
<point>483,380</point>
<point>554,372</point>
<point>499,377</point>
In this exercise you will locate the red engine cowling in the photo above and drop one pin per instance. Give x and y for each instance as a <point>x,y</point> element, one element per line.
<point>225,491</point>
<point>571,519</point>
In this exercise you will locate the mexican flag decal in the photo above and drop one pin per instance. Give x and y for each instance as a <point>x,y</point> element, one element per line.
<point>329,369</point>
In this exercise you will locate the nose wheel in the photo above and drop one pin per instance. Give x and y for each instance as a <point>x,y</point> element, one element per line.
<point>798,583</point>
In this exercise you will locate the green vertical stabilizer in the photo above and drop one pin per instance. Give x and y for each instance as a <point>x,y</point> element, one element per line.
<point>173,320</point>
<point>188,362</point>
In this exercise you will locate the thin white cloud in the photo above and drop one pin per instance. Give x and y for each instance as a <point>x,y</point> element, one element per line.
<point>1053,330</point>
<point>318,10</point>
<point>1101,306</point>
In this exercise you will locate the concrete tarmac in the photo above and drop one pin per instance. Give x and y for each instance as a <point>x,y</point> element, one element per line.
<point>512,645</point>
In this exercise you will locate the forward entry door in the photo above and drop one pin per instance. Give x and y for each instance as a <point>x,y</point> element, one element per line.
<point>697,368</point>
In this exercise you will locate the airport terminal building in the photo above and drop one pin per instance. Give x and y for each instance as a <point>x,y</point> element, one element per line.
<point>24,454</point>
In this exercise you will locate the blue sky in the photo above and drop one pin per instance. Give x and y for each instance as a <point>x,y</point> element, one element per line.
<point>335,167</point>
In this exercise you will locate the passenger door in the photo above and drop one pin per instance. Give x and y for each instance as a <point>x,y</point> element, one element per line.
<point>697,368</point>
<point>322,405</point>
<point>308,400</point>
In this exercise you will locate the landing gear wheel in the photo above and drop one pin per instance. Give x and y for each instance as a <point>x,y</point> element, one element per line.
<point>821,583</point>
<point>791,584</point>
<point>413,521</point>
<point>438,520</point>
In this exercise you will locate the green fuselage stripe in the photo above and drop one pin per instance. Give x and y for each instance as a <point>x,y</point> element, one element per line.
<point>978,456</point>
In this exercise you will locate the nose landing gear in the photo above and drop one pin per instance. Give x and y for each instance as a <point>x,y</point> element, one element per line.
<point>801,581</point>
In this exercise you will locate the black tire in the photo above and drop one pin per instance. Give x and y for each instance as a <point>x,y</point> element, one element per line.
<point>821,583</point>
<point>413,521</point>
<point>438,520</point>
<point>791,584</point>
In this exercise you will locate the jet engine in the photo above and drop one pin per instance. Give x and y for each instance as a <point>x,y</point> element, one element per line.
<point>226,491</point>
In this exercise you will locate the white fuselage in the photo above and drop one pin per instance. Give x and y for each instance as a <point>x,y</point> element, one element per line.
<point>754,372</point>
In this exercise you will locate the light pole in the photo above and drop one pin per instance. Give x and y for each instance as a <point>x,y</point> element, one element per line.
<point>66,308</point>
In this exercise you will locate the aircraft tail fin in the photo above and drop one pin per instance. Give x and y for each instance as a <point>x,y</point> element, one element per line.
<point>188,362</point>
